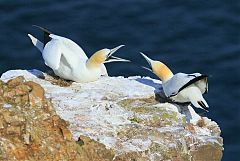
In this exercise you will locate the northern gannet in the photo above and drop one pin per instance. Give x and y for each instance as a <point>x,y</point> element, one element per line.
<point>68,60</point>
<point>181,87</point>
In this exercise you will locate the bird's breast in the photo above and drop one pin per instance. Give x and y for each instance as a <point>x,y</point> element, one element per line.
<point>80,74</point>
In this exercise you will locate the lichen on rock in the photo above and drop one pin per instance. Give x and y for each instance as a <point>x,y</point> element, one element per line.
<point>114,118</point>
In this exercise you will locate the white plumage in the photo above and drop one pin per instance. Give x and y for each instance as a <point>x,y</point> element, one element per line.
<point>69,61</point>
<point>181,87</point>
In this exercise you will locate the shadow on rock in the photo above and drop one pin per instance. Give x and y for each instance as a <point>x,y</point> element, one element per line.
<point>162,98</point>
<point>51,77</point>
<point>37,73</point>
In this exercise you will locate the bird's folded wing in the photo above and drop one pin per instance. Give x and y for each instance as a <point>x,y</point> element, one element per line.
<point>73,55</point>
<point>52,54</point>
<point>178,82</point>
<point>70,45</point>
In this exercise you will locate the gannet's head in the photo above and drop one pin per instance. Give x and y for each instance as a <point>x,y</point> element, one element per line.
<point>158,68</point>
<point>104,56</point>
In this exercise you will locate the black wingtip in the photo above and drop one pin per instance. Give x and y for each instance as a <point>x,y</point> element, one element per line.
<point>203,105</point>
<point>203,76</point>
<point>43,29</point>
<point>45,34</point>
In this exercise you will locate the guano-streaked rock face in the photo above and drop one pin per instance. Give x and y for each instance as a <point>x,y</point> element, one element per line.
<point>114,118</point>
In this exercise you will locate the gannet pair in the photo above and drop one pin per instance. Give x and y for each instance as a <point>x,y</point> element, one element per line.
<point>181,87</point>
<point>68,60</point>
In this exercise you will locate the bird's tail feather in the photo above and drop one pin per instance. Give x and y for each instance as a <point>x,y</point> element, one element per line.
<point>196,98</point>
<point>203,104</point>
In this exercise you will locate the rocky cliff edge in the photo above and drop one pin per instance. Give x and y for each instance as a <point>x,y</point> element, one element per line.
<point>114,118</point>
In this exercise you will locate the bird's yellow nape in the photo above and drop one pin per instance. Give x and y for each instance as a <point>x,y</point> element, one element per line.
<point>158,68</point>
<point>161,70</point>
<point>104,56</point>
<point>97,58</point>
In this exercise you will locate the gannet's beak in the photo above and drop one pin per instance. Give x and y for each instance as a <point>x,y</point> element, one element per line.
<point>150,61</point>
<point>111,58</point>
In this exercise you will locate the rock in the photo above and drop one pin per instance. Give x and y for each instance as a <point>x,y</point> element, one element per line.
<point>90,149</point>
<point>15,82</point>
<point>36,95</point>
<point>67,135</point>
<point>207,151</point>
<point>27,130</point>
<point>116,118</point>
<point>26,138</point>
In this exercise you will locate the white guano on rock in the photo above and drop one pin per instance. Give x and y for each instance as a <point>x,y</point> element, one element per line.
<point>125,115</point>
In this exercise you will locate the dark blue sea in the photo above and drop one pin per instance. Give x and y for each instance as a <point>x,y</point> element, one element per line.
<point>187,35</point>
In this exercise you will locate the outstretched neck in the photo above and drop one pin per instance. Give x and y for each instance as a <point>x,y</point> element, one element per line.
<point>162,71</point>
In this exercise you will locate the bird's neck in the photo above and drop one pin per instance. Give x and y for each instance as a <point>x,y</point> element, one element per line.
<point>163,72</point>
<point>94,61</point>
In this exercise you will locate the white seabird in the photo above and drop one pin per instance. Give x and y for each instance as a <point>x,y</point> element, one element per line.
<point>68,60</point>
<point>181,87</point>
